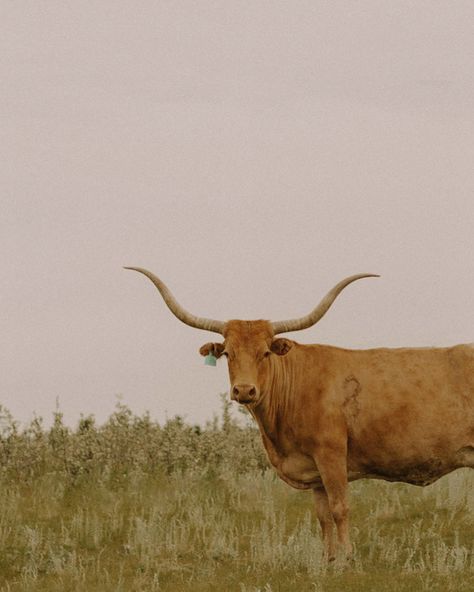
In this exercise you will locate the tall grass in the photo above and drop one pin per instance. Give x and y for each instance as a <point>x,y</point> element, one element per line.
<point>136,506</point>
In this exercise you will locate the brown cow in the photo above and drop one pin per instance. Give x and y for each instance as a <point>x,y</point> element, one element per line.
<point>329,415</point>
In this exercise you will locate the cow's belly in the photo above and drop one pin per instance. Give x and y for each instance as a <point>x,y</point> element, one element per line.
<point>300,471</point>
<point>299,467</point>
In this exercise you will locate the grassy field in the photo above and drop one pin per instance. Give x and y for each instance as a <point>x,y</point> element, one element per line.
<point>135,506</point>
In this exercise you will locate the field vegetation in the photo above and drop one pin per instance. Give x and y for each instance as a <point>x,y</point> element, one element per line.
<point>135,506</point>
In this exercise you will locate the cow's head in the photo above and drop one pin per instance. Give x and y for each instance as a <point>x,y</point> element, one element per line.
<point>248,345</point>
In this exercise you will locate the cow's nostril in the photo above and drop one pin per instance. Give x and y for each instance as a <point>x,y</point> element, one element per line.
<point>244,393</point>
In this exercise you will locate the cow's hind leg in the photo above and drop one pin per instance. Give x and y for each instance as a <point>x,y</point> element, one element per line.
<point>327,523</point>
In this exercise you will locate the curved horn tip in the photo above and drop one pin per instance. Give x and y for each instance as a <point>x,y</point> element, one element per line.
<point>366,275</point>
<point>139,269</point>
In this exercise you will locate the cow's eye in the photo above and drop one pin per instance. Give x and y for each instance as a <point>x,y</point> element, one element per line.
<point>267,353</point>
<point>226,354</point>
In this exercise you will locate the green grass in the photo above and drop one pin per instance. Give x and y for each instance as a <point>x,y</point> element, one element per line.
<point>124,507</point>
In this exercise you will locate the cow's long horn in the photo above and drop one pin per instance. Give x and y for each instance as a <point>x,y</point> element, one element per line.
<point>177,309</point>
<point>314,316</point>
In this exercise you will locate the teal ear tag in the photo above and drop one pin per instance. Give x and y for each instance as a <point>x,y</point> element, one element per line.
<point>210,360</point>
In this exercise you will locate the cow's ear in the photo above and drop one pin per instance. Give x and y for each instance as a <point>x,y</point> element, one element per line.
<point>281,346</point>
<point>215,349</point>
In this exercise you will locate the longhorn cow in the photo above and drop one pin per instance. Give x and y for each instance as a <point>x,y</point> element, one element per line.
<point>329,415</point>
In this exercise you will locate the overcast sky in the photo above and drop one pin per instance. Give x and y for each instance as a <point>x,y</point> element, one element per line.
<point>251,154</point>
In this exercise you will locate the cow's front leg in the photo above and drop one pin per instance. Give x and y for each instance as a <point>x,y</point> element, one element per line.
<point>331,463</point>
<point>326,521</point>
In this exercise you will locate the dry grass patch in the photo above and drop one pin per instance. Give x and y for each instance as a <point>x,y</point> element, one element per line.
<point>135,506</point>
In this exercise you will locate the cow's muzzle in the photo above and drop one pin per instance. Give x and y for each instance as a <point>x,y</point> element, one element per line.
<point>244,393</point>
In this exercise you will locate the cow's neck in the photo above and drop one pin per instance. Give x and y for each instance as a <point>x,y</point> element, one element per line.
<point>278,400</point>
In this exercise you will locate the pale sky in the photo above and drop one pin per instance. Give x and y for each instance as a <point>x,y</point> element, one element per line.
<point>251,154</point>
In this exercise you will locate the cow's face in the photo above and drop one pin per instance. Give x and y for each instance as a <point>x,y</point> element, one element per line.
<point>249,347</point>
